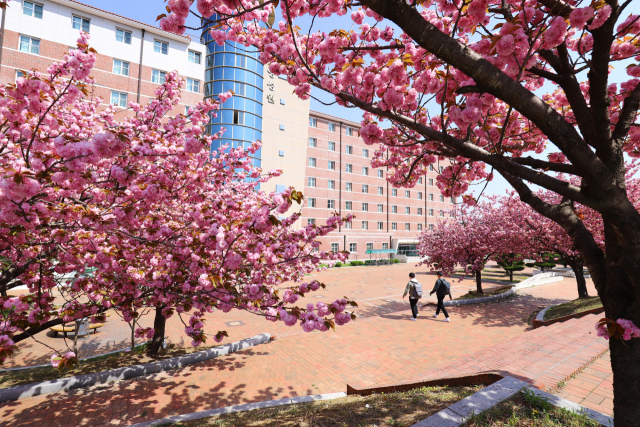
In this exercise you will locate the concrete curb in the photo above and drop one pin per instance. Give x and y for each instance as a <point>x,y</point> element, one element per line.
<point>540,315</point>
<point>540,279</point>
<point>539,320</point>
<point>240,408</point>
<point>458,413</point>
<point>87,380</point>
<point>457,302</point>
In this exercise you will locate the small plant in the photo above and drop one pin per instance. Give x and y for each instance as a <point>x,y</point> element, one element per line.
<point>536,401</point>
<point>338,264</point>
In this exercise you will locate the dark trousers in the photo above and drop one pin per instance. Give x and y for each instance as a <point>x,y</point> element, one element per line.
<point>441,307</point>
<point>414,307</point>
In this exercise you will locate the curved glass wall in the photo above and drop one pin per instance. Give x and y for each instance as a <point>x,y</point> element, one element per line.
<point>234,67</point>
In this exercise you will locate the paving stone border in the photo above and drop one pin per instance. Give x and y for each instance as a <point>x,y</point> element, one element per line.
<point>87,380</point>
<point>486,378</point>
<point>458,302</point>
<point>539,320</point>
<point>240,408</point>
<point>459,412</point>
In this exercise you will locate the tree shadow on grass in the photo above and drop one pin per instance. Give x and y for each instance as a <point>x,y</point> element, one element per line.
<point>144,399</point>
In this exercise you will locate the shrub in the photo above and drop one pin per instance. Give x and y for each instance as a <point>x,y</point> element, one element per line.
<point>338,264</point>
<point>396,260</point>
<point>356,263</point>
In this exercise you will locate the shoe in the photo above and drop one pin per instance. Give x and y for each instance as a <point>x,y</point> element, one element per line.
<point>417,315</point>
<point>446,319</point>
<point>414,319</point>
<point>435,316</point>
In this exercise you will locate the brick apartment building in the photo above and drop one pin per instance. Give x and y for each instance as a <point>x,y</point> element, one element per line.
<point>37,33</point>
<point>339,178</point>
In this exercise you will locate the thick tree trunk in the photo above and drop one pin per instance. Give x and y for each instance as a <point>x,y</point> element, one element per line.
<point>578,268</point>
<point>157,342</point>
<point>479,282</point>
<point>511,275</point>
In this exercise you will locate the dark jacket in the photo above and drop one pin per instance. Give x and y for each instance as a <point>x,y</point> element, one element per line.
<point>440,289</point>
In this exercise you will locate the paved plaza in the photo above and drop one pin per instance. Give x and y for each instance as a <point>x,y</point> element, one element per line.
<point>382,347</point>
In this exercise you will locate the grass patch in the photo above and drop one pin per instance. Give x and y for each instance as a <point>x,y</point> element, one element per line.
<point>98,364</point>
<point>572,307</point>
<point>474,294</point>
<point>528,410</point>
<point>393,409</point>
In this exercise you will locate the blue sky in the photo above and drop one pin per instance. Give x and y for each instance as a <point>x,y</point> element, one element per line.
<point>147,11</point>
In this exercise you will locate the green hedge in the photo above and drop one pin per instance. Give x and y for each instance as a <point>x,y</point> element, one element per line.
<point>356,263</point>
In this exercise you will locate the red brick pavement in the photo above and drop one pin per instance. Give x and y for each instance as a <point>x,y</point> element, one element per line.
<point>593,387</point>
<point>380,348</point>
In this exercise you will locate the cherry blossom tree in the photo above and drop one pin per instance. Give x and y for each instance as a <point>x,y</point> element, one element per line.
<point>482,86</point>
<point>159,219</point>
<point>470,238</point>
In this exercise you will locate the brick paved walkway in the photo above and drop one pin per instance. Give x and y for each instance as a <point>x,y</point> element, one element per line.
<point>380,348</point>
<point>592,387</point>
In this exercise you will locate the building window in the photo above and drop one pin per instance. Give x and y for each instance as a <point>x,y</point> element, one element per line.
<point>331,165</point>
<point>194,57</point>
<point>353,247</point>
<point>385,246</point>
<point>420,227</point>
<point>365,188</point>
<point>431,197</point>
<point>332,127</point>
<point>441,169</point>
<point>381,191</point>
<point>407,210</point>
<point>369,246</point>
<point>281,127</point>
<point>123,36</point>
<point>313,122</point>
<point>119,99</point>
<point>365,225</point>
<point>431,181</point>
<point>331,204</point>
<point>453,200</point>
<point>193,85</point>
<point>394,225</point>
<point>431,167</point>
<point>365,171</point>
<point>430,212</point>
<point>441,213</point>
<point>347,225</point>
<point>331,146</point>
<point>335,247</point>
<point>313,142</point>
<point>161,47</point>
<point>158,77</point>
<point>312,162</point>
<point>394,192</point>
<point>282,102</point>
<point>311,182</point>
<point>348,186</point>
<point>380,207</point>
<point>394,209</point>
<point>312,202</point>
<point>420,180</point>
<point>348,168</point>
<point>280,188</point>
<point>81,24</point>
<point>348,205</point>
<point>407,226</point>
<point>120,67</point>
<point>380,173</point>
<point>441,198</point>
<point>419,211</point>
<point>348,131</point>
<point>365,153</point>
<point>20,74</point>
<point>380,225</point>
<point>331,184</point>
<point>419,195</point>
<point>281,153</point>
<point>365,207</point>
<point>29,45</point>
<point>238,117</point>
<point>32,9</point>
<point>348,149</point>
<point>407,194</point>
<point>311,221</point>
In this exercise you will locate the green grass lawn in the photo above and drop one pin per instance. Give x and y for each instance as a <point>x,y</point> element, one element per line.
<point>393,409</point>
<point>572,307</point>
<point>528,410</point>
<point>473,294</point>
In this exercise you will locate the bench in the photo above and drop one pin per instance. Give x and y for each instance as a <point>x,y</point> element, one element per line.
<point>72,328</point>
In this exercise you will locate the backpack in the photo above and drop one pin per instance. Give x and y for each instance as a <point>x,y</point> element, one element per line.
<point>444,288</point>
<point>416,290</point>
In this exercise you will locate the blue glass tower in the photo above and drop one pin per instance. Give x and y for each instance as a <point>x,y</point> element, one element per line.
<point>235,67</point>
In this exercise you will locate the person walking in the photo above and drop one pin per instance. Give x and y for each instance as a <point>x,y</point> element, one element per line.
<point>441,289</point>
<point>414,289</point>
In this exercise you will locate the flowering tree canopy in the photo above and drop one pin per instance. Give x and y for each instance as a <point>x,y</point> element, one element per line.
<point>141,203</point>
<point>479,84</point>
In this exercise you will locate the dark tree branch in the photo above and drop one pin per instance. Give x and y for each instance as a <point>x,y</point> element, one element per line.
<point>627,114</point>
<point>469,89</point>
<point>542,164</point>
